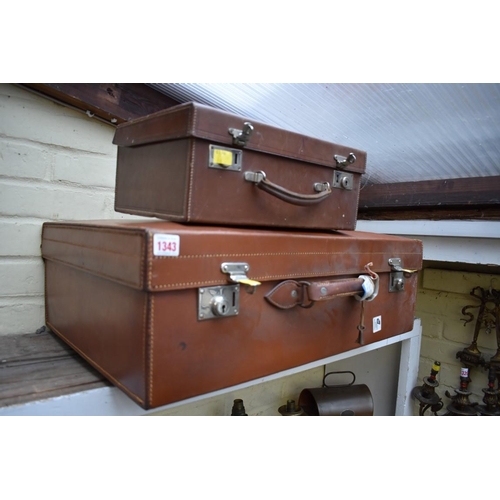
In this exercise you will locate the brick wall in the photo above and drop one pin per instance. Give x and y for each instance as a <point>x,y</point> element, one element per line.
<point>55,164</point>
<point>442,295</point>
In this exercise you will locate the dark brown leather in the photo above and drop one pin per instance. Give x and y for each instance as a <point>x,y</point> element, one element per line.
<point>162,171</point>
<point>193,119</point>
<point>133,315</point>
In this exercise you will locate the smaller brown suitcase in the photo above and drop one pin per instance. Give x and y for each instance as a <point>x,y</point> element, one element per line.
<point>169,311</point>
<point>196,164</point>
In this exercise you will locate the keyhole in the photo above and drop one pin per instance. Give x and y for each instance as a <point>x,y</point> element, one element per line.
<point>220,306</point>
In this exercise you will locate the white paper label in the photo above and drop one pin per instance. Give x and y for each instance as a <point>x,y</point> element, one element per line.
<point>377,324</point>
<point>166,245</point>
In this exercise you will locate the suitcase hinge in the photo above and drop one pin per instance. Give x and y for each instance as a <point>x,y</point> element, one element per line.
<point>241,137</point>
<point>398,275</point>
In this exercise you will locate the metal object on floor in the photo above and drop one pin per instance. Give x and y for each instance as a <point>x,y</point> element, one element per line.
<point>238,409</point>
<point>337,400</point>
<point>290,409</point>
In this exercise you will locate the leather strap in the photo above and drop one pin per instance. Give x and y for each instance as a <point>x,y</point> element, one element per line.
<point>293,293</point>
<point>292,197</point>
<point>260,180</point>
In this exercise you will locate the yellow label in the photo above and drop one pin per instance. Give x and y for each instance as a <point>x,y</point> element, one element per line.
<point>249,282</point>
<point>223,157</point>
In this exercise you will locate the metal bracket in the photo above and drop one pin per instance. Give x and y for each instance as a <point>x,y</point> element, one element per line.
<point>319,187</point>
<point>218,302</point>
<point>241,137</point>
<point>225,158</point>
<point>343,180</point>
<point>254,176</point>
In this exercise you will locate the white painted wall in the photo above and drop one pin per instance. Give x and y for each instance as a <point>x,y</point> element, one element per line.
<point>55,164</point>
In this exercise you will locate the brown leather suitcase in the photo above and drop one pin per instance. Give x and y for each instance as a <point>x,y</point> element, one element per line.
<point>196,164</point>
<point>168,311</point>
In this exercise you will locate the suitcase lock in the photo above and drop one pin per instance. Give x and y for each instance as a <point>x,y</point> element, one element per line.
<point>223,301</point>
<point>218,301</point>
<point>398,275</point>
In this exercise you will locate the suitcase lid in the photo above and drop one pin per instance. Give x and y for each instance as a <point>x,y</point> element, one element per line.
<point>197,120</point>
<point>159,256</point>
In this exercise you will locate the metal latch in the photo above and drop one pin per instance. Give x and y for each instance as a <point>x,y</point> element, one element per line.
<point>218,301</point>
<point>223,301</point>
<point>241,137</point>
<point>237,273</point>
<point>225,158</point>
<point>343,180</point>
<point>342,161</point>
<point>398,275</point>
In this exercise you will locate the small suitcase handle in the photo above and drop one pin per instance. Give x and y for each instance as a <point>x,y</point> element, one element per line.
<point>260,180</point>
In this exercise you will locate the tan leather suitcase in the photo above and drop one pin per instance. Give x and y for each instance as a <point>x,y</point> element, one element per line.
<point>196,164</point>
<point>168,311</point>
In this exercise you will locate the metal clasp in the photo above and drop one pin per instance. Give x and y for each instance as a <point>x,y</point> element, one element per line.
<point>241,137</point>
<point>237,274</point>
<point>398,275</point>
<point>342,161</point>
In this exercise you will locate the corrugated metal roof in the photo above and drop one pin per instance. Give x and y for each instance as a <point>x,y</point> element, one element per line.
<point>411,132</point>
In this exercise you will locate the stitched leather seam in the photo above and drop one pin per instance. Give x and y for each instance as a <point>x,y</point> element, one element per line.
<point>144,340</point>
<point>151,320</point>
<point>270,254</point>
<point>92,362</point>
<point>144,256</point>
<point>151,345</point>
<point>191,165</point>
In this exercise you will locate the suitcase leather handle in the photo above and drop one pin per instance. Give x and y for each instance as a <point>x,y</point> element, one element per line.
<point>293,293</point>
<point>260,180</point>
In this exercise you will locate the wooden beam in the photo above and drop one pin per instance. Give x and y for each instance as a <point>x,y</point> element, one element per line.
<point>464,193</point>
<point>113,102</point>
